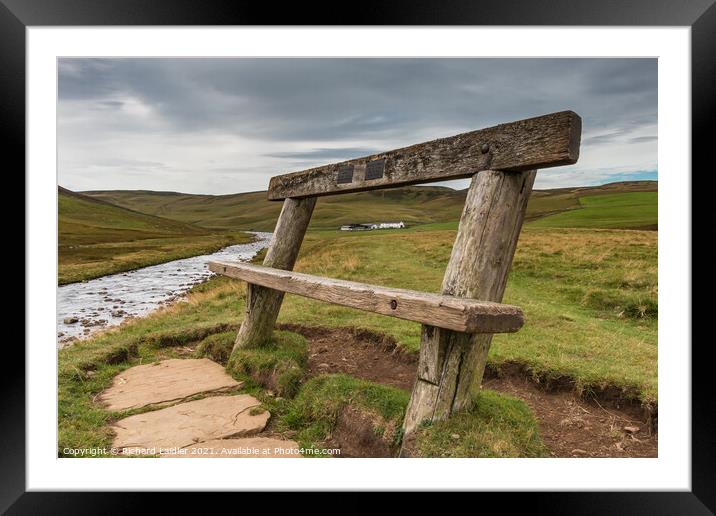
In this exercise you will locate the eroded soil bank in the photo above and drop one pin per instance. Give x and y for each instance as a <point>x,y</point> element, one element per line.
<point>600,424</point>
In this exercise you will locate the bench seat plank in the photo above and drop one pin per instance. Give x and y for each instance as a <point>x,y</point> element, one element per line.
<point>453,313</point>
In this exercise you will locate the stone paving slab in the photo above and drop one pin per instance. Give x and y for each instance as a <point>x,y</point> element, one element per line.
<point>181,425</point>
<point>249,447</point>
<point>164,382</point>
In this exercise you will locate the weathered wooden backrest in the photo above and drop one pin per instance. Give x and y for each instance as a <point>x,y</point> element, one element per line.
<point>542,142</point>
<point>502,162</point>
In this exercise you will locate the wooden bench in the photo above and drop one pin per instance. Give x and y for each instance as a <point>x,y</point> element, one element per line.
<point>452,313</point>
<point>458,323</point>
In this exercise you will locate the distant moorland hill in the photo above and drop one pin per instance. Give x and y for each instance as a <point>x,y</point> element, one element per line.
<point>414,205</point>
<point>96,237</point>
<point>91,220</point>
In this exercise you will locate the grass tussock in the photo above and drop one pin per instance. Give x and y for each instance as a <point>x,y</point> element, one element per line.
<point>165,339</point>
<point>279,365</point>
<point>217,347</point>
<point>497,426</point>
<point>320,401</point>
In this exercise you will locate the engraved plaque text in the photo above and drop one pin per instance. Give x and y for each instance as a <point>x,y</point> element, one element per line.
<point>345,174</point>
<point>374,169</point>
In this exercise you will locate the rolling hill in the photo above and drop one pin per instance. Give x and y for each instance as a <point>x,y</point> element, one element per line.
<point>414,205</point>
<point>89,220</point>
<point>96,238</point>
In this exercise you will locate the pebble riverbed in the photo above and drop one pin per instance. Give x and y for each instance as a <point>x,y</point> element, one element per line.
<point>86,307</point>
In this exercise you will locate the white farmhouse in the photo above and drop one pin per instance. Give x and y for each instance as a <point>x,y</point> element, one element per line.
<point>357,227</point>
<point>391,225</point>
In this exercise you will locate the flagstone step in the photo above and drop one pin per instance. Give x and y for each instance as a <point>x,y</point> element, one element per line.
<point>188,423</point>
<point>165,382</point>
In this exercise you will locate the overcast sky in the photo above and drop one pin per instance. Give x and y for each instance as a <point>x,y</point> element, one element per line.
<point>221,126</point>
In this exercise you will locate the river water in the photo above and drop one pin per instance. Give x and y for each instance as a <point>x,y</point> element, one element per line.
<point>86,307</point>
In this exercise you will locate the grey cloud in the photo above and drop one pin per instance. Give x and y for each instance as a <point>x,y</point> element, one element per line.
<point>342,153</point>
<point>118,162</point>
<point>604,138</point>
<point>331,99</point>
<point>642,139</point>
<point>109,104</point>
<point>328,108</point>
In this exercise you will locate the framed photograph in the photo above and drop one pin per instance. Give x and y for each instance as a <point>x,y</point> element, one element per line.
<point>421,248</point>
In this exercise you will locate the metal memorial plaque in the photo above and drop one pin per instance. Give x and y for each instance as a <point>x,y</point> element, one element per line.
<point>345,174</point>
<point>374,169</point>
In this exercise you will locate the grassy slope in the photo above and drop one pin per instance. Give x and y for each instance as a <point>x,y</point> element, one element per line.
<point>635,210</point>
<point>97,238</point>
<point>86,220</point>
<point>413,205</point>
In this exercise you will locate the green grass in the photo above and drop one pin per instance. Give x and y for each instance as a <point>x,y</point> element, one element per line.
<point>97,238</point>
<point>623,210</point>
<point>497,426</point>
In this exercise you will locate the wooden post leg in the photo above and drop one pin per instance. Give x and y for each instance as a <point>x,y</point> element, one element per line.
<point>264,303</point>
<point>451,363</point>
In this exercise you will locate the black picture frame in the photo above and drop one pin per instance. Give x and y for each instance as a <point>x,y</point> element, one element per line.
<point>700,15</point>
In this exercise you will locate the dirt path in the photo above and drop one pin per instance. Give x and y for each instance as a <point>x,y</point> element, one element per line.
<point>570,426</point>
